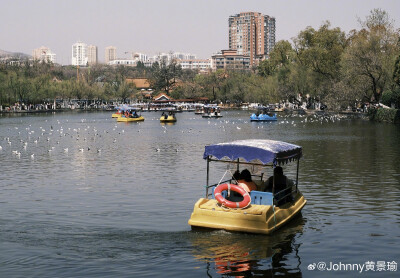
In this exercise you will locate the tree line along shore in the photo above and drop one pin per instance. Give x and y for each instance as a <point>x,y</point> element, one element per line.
<point>325,65</point>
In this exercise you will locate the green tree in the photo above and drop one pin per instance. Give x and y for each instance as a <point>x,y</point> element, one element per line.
<point>396,72</point>
<point>164,75</point>
<point>125,90</point>
<point>321,49</point>
<point>3,87</point>
<point>210,84</point>
<point>266,68</point>
<point>371,54</point>
<point>318,54</point>
<point>186,90</point>
<point>40,89</point>
<point>20,87</point>
<point>280,58</point>
<point>390,97</point>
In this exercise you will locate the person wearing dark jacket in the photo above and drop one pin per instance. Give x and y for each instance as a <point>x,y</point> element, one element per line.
<point>281,183</point>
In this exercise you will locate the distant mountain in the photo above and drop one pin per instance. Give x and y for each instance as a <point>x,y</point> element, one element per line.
<point>4,53</point>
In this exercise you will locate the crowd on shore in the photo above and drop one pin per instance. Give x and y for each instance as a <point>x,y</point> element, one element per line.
<point>53,106</point>
<point>50,107</point>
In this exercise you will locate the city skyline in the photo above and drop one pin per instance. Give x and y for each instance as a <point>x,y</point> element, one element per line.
<point>197,27</point>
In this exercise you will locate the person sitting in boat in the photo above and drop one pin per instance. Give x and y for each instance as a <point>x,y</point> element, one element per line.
<point>246,182</point>
<point>281,183</point>
<point>135,115</point>
<point>236,176</point>
<point>243,179</point>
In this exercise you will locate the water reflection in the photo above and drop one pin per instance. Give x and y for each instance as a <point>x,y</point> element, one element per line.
<point>248,255</point>
<point>167,123</point>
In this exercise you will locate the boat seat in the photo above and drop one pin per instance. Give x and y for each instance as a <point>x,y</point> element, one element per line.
<point>261,198</point>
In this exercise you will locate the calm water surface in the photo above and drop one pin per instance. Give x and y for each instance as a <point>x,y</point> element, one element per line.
<point>90,197</point>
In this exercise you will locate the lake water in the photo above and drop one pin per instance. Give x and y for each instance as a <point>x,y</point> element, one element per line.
<point>89,197</point>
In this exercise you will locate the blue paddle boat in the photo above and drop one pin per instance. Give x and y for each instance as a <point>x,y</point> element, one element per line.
<point>263,115</point>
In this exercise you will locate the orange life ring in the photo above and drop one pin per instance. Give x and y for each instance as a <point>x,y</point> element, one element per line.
<point>226,186</point>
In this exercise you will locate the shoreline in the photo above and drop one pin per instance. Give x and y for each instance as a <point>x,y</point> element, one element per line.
<point>43,111</point>
<point>349,114</point>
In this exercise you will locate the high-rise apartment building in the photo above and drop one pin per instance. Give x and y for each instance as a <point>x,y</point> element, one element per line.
<point>110,54</point>
<point>79,54</point>
<point>269,34</point>
<point>92,54</point>
<point>252,34</point>
<point>44,54</point>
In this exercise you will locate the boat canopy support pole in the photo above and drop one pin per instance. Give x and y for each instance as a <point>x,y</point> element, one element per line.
<point>297,174</point>
<point>273,184</point>
<point>208,172</point>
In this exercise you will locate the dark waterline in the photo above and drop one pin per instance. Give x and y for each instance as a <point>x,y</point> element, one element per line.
<point>116,203</point>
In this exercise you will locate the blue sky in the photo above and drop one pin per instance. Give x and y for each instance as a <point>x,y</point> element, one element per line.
<point>151,26</point>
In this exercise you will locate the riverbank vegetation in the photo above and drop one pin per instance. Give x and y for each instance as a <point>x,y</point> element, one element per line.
<point>384,115</point>
<point>324,64</point>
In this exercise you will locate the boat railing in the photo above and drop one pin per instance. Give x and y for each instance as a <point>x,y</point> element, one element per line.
<point>258,176</point>
<point>282,196</point>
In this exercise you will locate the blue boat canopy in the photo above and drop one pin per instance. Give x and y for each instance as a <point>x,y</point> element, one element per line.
<point>122,108</point>
<point>266,151</point>
<point>125,107</point>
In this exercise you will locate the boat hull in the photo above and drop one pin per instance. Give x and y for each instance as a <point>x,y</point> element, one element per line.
<point>124,119</point>
<point>259,219</point>
<point>116,115</point>
<point>263,118</point>
<point>169,119</point>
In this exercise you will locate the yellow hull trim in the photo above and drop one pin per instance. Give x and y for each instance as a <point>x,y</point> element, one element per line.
<point>259,219</point>
<point>123,119</point>
<point>116,115</point>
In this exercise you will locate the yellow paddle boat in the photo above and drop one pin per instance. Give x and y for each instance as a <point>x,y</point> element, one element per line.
<point>130,115</point>
<point>168,117</point>
<point>260,211</point>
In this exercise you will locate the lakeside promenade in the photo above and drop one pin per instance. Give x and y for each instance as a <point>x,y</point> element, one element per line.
<point>293,112</point>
